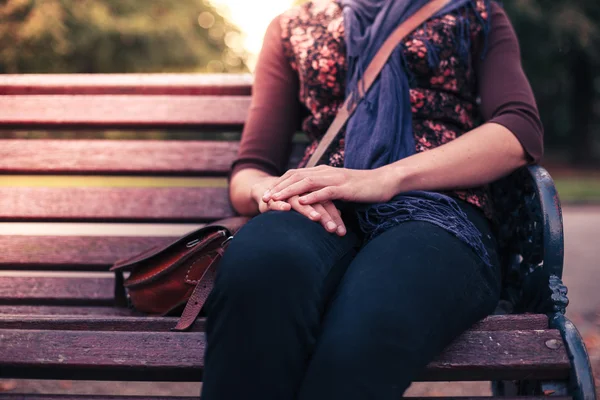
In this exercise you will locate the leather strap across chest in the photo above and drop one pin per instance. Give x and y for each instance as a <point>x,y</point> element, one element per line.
<point>372,72</point>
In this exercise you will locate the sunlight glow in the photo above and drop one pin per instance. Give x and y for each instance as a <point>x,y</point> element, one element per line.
<point>252,17</point>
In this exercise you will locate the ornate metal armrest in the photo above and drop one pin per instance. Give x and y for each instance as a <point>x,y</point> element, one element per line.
<point>530,233</point>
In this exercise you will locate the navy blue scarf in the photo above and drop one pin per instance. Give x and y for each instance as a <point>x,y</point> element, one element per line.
<point>380,131</point>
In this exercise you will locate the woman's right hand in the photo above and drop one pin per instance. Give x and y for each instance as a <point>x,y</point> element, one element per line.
<point>326,213</point>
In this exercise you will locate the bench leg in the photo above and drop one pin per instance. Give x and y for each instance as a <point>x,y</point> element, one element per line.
<point>581,384</point>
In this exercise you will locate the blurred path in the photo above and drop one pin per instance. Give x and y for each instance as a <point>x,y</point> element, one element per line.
<point>582,266</point>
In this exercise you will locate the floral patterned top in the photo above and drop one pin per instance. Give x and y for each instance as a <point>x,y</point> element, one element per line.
<point>445,99</point>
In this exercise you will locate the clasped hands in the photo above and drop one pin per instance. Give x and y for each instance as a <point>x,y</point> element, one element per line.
<point>311,192</point>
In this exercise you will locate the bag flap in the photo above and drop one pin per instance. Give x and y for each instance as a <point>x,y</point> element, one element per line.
<point>229,225</point>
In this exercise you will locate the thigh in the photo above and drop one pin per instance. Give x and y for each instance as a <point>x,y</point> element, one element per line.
<point>406,295</point>
<point>266,307</point>
<point>282,250</point>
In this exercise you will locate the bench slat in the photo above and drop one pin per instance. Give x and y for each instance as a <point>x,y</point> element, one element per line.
<point>94,323</point>
<point>109,397</point>
<point>126,111</point>
<point>24,312</point>
<point>123,157</point>
<point>146,356</point>
<point>138,84</point>
<point>57,289</point>
<point>29,204</point>
<point>147,157</point>
<point>490,398</point>
<point>86,253</point>
<point>7,396</point>
<point>522,322</point>
<point>12,291</point>
<point>158,324</point>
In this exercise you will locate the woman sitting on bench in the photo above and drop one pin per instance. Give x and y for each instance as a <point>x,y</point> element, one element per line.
<point>357,273</point>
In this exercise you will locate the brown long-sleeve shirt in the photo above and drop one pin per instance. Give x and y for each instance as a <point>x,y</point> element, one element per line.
<point>282,88</point>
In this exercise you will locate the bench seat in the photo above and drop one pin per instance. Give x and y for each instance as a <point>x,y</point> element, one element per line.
<point>143,348</point>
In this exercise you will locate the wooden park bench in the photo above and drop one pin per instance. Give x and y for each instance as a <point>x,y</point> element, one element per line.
<point>58,318</point>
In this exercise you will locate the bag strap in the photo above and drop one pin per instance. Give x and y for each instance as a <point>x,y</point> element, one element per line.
<point>198,297</point>
<point>347,109</point>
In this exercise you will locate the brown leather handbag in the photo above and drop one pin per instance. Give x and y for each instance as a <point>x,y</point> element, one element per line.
<point>162,280</point>
<point>165,280</point>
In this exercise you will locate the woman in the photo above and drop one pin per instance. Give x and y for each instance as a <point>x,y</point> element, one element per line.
<point>355,274</point>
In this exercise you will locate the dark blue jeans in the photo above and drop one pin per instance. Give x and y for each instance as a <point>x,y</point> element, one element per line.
<point>298,313</point>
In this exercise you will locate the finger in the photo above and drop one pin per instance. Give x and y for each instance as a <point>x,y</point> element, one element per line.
<point>307,211</point>
<point>284,181</point>
<point>336,216</point>
<point>305,185</point>
<point>293,176</point>
<point>279,206</point>
<point>323,195</point>
<point>263,207</point>
<point>326,218</point>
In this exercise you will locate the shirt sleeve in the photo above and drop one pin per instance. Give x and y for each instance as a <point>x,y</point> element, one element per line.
<point>506,95</point>
<point>274,114</point>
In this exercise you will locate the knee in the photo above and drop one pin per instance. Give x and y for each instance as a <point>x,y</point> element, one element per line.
<point>263,262</point>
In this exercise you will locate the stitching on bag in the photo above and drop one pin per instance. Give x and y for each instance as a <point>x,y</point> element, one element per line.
<point>187,275</point>
<point>200,246</point>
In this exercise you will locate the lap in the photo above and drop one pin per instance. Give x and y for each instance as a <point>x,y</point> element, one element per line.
<point>413,268</point>
<point>412,260</point>
<point>284,252</point>
<point>405,296</point>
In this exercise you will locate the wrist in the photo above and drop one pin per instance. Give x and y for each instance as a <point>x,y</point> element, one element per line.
<point>395,179</point>
<point>245,190</point>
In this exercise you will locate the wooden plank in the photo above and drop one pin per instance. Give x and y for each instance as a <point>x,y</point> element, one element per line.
<point>130,84</point>
<point>94,229</point>
<point>121,157</point>
<point>125,111</point>
<point>158,324</point>
<point>107,157</point>
<point>8,396</point>
<point>57,289</point>
<point>477,355</point>
<point>94,323</point>
<point>522,322</point>
<point>85,253</point>
<point>490,398</point>
<point>501,355</point>
<point>30,204</point>
<point>66,311</point>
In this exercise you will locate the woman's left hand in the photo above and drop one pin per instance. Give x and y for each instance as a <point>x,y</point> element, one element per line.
<point>324,183</point>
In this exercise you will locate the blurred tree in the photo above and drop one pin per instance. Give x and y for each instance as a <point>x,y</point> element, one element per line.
<point>560,45</point>
<point>88,36</point>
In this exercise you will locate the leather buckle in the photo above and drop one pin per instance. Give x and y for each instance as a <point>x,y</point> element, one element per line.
<point>226,242</point>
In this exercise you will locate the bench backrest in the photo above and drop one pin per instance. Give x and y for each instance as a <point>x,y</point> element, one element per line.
<point>198,103</point>
<point>163,181</point>
<point>79,204</point>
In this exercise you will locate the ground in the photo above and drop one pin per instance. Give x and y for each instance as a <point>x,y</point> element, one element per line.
<point>582,276</point>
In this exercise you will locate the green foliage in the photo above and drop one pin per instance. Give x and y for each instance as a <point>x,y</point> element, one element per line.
<point>560,47</point>
<point>87,36</point>
<point>578,189</point>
